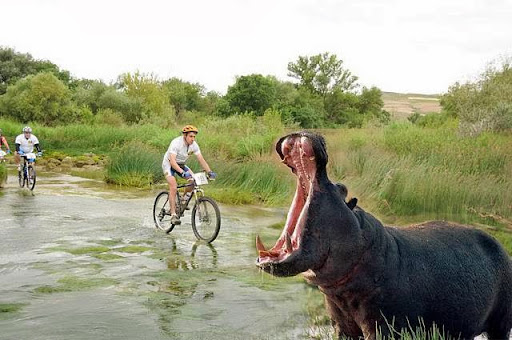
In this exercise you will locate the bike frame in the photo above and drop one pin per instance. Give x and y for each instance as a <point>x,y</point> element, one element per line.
<point>196,192</point>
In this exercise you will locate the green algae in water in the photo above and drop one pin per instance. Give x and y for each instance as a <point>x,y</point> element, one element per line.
<point>133,249</point>
<point>73,284</point>
<point>107,257</point>
<point>108,243</point>
<point>10,309</point>
<point>80,251</point>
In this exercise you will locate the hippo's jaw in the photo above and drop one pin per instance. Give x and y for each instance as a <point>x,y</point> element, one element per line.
<point>284,258</point>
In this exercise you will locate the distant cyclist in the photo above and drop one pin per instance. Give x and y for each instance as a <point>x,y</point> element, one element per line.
<point>174,163</point>
<point>3,142</point>
<point>25,143</point>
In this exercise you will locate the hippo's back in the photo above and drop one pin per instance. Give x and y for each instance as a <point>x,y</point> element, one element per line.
<point>445,269</point>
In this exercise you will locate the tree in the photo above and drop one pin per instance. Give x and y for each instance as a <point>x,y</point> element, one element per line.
<point>15,66</point>
<point>98,96</point>
<point>42,98</point>
<point>150,92</point>
<point>485,104</point>
<point>253,93</point>
<point>183,95</point>
<point>370,101</point>
<point>322,74</point>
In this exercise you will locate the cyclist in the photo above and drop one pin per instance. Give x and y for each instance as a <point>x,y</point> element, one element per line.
<point>3,142</point>
<point>25,143</point>
<point>174,164</point>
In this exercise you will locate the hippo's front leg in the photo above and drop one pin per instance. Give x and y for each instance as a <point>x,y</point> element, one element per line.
<point>344,325</point>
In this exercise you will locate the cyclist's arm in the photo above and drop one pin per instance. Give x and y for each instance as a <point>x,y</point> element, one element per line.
<point>174,164</point>
<point>17,145</point>
<point>38,148</point>
<point>4,141</point>
<point>203,163</point>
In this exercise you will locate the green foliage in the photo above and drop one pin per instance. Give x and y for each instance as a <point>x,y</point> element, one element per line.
<point>249,137</point>
<point>431,120</point>
<point>416,173</point>
<point>322,74</point>
<point>184,95</point>
<point>15,66</point>
<point>3,174</point>
<point>484,105</point>
<point>253,93</point>
<point>150,92</point>
<point>135,164</point>
<point>41,98</point>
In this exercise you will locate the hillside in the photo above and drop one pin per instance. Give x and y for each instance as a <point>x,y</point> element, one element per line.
<point>402,105</point>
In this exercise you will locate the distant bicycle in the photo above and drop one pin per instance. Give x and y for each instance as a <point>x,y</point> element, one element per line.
<point>27,173</point>
<point>205,212</point>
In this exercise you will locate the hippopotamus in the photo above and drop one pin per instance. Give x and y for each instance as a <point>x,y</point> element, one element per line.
<point>454,276</point>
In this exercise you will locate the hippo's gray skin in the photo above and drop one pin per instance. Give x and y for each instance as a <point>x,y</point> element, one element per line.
<point>454,276</point>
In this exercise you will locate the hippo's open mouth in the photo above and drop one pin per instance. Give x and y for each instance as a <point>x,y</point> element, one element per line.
<point>296,151</point>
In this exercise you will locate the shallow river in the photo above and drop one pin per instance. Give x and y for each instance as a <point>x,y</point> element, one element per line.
<point>80,260</point>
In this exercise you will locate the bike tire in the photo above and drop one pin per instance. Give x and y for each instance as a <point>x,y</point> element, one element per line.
<point>161,214</point>
<point>31,178</point>
<point>21,179</point>
<point>206,227</point>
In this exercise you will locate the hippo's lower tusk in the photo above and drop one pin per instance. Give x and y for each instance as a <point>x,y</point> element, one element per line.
<point>288,243</point>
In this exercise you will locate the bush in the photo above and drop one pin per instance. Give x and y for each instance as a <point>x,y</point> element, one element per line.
<point>484,105</point>
<point>41,98</point>
<point>136,165</point>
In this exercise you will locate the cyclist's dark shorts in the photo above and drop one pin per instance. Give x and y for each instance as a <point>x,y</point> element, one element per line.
<point>174,172</point>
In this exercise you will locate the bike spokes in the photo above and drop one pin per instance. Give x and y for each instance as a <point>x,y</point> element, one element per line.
<point>206,219</point>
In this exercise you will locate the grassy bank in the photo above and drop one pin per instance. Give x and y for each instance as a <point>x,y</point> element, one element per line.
<point>403,173</point>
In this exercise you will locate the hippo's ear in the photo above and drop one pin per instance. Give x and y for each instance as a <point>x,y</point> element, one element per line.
<point>343,190</point>
<point>352,203</point>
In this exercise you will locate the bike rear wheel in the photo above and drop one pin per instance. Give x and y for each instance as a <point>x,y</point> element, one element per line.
<point>206,219</point>
<point>162,213</point>
<point>31,178</point>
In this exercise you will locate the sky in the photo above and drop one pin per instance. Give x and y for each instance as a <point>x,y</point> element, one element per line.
<point>406,46</point>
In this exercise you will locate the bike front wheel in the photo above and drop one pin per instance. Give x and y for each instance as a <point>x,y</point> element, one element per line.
<point>206,219</point>
<point>31,178</point>
<point>21,179</point>
<point>162,213</point>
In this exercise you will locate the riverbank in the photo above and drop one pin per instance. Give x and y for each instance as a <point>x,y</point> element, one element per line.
<point>403,173</point>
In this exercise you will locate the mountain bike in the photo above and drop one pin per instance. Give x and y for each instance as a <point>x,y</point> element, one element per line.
<point>27,173</point>
<point>205,215</point>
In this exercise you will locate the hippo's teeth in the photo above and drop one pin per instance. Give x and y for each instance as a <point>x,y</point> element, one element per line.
<point>259,245</point>
<point>288,243</point>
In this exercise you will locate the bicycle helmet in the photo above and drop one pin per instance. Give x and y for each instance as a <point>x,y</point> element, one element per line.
<point>27,129</point>
<point>189,128</point>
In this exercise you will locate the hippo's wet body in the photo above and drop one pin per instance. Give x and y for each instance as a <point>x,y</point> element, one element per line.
<point>454,276</point>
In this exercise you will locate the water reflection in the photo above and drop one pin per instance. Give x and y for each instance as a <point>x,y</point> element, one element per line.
<point>202,256</point>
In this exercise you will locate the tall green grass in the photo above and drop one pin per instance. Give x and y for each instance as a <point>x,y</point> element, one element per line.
<point>407,173</point>
<point>136,165</point>
<point>3,174</point>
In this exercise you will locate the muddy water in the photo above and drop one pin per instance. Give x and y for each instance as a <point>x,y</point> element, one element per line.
<point>82,260</point>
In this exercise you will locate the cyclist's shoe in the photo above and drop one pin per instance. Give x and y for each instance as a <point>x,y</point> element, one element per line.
<point>175,219</point>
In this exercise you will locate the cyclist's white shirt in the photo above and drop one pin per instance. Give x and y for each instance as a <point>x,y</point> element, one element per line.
<point>181,149</point>
<point>26,145</point>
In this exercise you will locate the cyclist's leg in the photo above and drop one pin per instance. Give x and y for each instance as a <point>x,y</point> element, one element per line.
<point>173,188</point>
